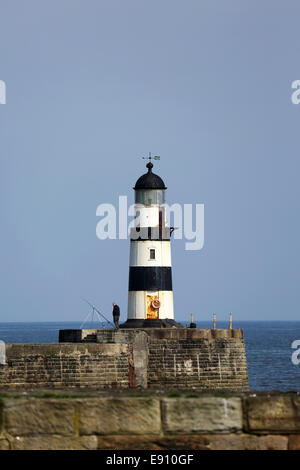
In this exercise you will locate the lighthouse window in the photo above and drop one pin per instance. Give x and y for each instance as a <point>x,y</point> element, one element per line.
<point>152,253</point>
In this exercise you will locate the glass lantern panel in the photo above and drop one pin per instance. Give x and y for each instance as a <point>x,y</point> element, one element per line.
<point>150,196</point>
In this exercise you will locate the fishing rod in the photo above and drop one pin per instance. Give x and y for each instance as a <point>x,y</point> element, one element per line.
<point>97,311</point>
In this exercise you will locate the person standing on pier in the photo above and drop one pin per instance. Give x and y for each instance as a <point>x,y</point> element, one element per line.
<point>116,314</point>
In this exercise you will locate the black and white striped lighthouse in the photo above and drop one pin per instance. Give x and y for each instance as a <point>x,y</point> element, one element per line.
<point>150,296</point>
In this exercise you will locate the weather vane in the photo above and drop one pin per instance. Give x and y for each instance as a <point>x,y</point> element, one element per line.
<point>156,157</point>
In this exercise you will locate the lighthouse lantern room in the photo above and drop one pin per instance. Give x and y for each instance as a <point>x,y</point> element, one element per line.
<point>150,296</point>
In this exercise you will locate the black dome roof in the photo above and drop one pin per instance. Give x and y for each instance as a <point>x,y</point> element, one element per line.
<point>150,180</point>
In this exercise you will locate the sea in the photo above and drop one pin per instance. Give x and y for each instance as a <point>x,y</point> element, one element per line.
<point>272,361</point>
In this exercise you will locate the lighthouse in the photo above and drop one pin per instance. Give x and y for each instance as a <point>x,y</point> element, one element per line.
<point>150,292</point>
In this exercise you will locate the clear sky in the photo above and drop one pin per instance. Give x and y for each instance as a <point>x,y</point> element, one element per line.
<point>93,85</point>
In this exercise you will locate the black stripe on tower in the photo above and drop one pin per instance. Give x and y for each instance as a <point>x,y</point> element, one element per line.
<point>150,278</point>
<point>151,233</point>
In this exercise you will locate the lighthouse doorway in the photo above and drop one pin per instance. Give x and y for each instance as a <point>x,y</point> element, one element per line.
<point>153,305</point>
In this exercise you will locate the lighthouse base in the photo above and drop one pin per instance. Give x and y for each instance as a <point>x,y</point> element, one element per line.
<point>151,323</point>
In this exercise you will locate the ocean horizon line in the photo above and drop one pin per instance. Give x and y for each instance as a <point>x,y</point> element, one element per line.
<point>179,320</point>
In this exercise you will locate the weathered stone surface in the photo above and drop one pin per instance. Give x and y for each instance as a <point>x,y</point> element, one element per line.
<point>110,335</point>
<point>276,414</point>
<point>4,444</point>
<point>201,415</point>
<point>294,442</point>
<point>133,423</point>
<point>119,416</point>
<point>1,416</point>
<point>140,358</point>
<point>60,365</point>
<point>180,442</point>
<point>201,359</point>
<point>247,442</point>
<point>194,442</point>
<point>38,416</point>
<point>52,442</point>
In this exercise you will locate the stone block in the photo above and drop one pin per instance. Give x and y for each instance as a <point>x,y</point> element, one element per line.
<point>273,414</point>
<point>38,416</point>
<point>55,442</point>
<point>294,442</point>
<point>202,415</point>
<point>247,442</point>
<point>4,444</point>
<point>119,416</point>
<point>1,416</point>
<point>148,442</point>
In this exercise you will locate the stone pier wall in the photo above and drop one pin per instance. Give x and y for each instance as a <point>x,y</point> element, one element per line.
<point>202,359</point>
<point>65,365</point>
<point>245,422</point>
<point>151,358</point>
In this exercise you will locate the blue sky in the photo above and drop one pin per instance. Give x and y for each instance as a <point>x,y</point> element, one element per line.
<point>94,85</point>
